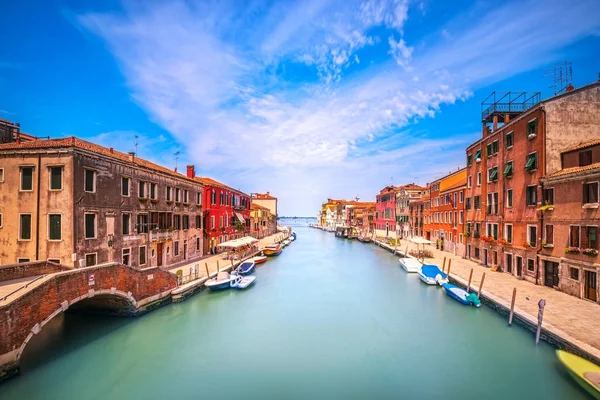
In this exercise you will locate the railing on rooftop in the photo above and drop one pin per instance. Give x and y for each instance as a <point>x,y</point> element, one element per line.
<point>513,103</point>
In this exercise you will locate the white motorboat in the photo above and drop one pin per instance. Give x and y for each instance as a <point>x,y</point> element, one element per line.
<point>220,282</point>
<point>410,264</point>
<point>242,282</point>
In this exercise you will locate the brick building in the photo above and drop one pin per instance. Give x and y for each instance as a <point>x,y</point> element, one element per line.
<point>80,204</point>
<point>385,215</point>
<point>447,211</point>
<point>522,141</point>
<point>570,217</point>
<point>226,213</point>
<point>417,216</point>
<point>404,195</point>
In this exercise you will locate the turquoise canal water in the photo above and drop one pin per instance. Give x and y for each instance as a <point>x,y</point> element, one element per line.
<point>329,318</point>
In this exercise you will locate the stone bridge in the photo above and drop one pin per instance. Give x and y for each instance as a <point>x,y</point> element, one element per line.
<point>32,294</point>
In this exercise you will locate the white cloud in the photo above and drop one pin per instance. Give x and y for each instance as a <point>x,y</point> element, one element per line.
<point>211,77</point>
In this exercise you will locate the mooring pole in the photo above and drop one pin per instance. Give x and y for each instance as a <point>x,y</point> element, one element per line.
<point>541,305</point>
<point>481,285</point>
<point>512,306</point>
<point>449,264</point>
<point>207,271</point>
<point>444,265</point>
<point>470,277</point>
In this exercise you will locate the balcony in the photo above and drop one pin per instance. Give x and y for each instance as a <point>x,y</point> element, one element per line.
<point>160,235</point>
<point>239,208</point>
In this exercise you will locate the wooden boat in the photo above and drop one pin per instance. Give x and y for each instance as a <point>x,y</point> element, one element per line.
<point>431,275</point>
<point>461,295</point>
<point>258,259</point>
<point>242,282</point>
<point>410,264</point>
<point>586,373</point>
<point>364,239</point>
<point>245,268</point>
<point>273,250</point>
<point>220,282</point>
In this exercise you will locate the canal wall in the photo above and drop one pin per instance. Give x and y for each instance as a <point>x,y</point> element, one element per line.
<point>550,333</point>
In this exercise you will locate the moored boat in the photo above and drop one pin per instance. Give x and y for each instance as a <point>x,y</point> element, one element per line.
<point>410,264</point>
<point>219,282</point>
<point>245,268</point>
<point>273,250</point>
<point>242,282</point>
<point>586,373</point>
<point>258,259</point>
<point>364,239</point>
<point>294,235</point>
<point>432,275</point>
<point>285,243</point>
<point>461,295</point>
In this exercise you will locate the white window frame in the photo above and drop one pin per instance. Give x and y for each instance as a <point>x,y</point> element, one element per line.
<point>177,195</point>
<point>584,183</point>
<point>199,198</point>
<point>513,140</point>
<point>21,178</point>
<point>527,265</point>
<point>144,185</point>
<point>62,175</point>
<point>54,260</point>
<point>48,230</point>
<point>512,231</point>
<point>461,217</point>
<point>128,186</point>
<point>1,175</point>
<point>123,225</point>
<point>479,178</point>
<point>94,179</point>
<point>123,255</point>
<point>30,228</point>
<point>212,222</point>
<point>461,196</point>
<point>536,239</point>
<point>469,181</point>
<point>175,248</point>
<point>150,196</point>
<point>95,227</point>
<point>186,196</point>
<point>169,193</point>
<point>1,220</point>
<point>512,200</point>
<point>488,174</point>
<point>221,222</point>
<point>145,257</point>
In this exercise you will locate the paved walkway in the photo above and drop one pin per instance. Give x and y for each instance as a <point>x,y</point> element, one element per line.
<point>574,319</point>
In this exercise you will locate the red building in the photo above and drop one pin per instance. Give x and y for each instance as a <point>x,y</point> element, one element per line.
<point>226,212</point>
<point>385,216</point>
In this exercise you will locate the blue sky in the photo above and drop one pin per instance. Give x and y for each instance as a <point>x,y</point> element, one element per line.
<point>307,99</point>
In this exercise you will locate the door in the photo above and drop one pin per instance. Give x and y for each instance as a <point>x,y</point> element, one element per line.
<point>159,254</point>
<point>185,251</point>
<point>591,290</point>
<point>509,262</point>
<point>550,273</point>
<point>485,256</point>
<point>495,257</point>
<point>519,267</point>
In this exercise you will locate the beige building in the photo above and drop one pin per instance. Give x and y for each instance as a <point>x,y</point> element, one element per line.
<point>266,200</point>
<point>78,203</point>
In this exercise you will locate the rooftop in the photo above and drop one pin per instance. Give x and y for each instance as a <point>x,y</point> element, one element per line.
<point>574,170</point>
<point>206,181</point>
<point>264,196</point>
<point>582,146</point>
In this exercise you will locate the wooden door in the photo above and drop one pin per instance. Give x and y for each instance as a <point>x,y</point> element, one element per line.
<point>591,290</point>
<point>485,257</point>
<point>185,251</point>
<point>509,262</point>
<point>159,254</point>
<point>551,278</point>
<point>519,266</point>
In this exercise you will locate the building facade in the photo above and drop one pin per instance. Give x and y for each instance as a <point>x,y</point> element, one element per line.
<point>81,204</point>
<point>262,222</point>
<point>385,216</point>
<point>405,194</point>
<point>447,211</point>
<point>417,215</point>
<point>266,200</point>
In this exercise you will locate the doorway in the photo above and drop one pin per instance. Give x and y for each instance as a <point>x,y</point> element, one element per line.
<point>159,254</point>
<point>590,282</point>
<point>185,249</point>
<point>495,258</point>
<point>485,257</point>
<point>550,273</point>
<point>509,263</point>
<point>519,266</point>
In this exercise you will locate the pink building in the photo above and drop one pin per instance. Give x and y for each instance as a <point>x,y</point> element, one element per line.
<point>385,215</point>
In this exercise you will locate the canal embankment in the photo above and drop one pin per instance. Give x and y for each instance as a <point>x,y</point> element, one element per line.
<point>568,322</point>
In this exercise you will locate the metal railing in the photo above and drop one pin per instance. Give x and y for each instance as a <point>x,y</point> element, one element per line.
<point>22,287</point>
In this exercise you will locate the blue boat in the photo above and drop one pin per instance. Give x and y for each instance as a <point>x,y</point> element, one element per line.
<point>294,235</point>
<point>432,275</point>
<point>245,268</point>
<point>220,282</point>
<point>459,294</point>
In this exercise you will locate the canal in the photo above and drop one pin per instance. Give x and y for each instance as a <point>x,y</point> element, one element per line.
<point>328,318</point>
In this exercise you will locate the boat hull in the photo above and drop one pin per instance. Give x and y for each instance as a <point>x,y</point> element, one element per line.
<point>410,265</point>
<point>461,295</point>
<point>259,259</point>
<point>218,285</point>
<point>240,270</point>
<point>578,368</point>
<point>431,275</point>
<point>243,283</point>
<point>272,253</point>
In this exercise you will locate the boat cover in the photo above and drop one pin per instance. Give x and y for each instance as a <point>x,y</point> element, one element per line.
<point>431,271</point>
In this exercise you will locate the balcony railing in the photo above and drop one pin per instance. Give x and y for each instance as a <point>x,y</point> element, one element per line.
<point>160,235</point>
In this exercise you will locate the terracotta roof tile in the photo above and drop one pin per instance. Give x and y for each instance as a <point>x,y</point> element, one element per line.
<point>455,186</point>
<point>574,170</point>
<point>582,146</point>
<point>264,196</point>
<point>212,182</point>
<point>254,206</point>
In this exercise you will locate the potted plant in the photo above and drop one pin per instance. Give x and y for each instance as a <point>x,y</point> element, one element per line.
<point>143,199</point>
<point>467,234</point>
<point>171,229</point>
<point>154,201</point>
<point>572,250</point>
<point>476,235</point>
<point>547,207</point>
<point>590,252</point>
<point>503,242</point>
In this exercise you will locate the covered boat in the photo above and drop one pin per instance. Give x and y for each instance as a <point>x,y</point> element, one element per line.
<point>586,373</point>
<point>410,264</point>
<point>364,239</point>
<point>220,282</point>
<point>242,282</point>
<point>432,275</point>
<point>258,259</point>
<point>461,295</point>
<point>272,250</point>
<point>245,268</point>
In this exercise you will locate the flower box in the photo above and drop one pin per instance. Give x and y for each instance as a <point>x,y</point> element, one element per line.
<point>154,201</point>
<point>547,207</point>
<point>143,199</point>
<point>572,250</point>
<point>503,242</point>
<point>548,246</point>
<point>590,252</point>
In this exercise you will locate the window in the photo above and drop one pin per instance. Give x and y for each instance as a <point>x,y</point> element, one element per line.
<point>492,148</point>
<point>125,186</point>
<point>462,196</point>
<point>221,222</point>
<point>0,220</point>
<point>142,223</point>
<point>126,219</point>
<point>199,198</point>
<point>177,222</point>
<point>585,158</point>
<point>532,128</point>
<point>509,198</point>
<point>508,169</point>
<point>478,155</point>
<point>23,260</point>
<point>469,160</point>
<point>531,195</point>
<point>468,203</point>
<point>531,162</point>
<point>54,227</point>
<point>212,222</point>
<point>198,222</point>
<point>25,227</point>
<point>153,191</point>
<point>574,231</point>
<point>126,256</point>
<point>478,178</point>
<point>588,237</point>
<point>176,248</point>
<point>549,234</point>
<point>169,190</point>
<point>476,252</point>
<point>492,205</point>
<point>548,196</point>
<point>509,140</point>
<point>590,192</point>
<point>90,181</point>
<point>142,189</point>
<point>26,178</point>
<point>1,175</point>
<point>532,235</point>
<point>56,178</point>
<point>142,255</point>
<point>492,230</point>
<point>177,195</point>
<point>197,244</point>
<point>90,226</point>
<point>213,197</point>
<point>508,233</point>
<point>54,260</point>
<point>477,202</point>
<point>492,174</point>
<point>574,273</point>
<point>90,260</point>
<point>186,195</point>
<point>530,265</point>
<point>186,222</point>
<point>461,217</point>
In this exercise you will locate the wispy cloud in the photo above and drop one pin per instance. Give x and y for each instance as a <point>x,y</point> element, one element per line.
<point>211,74</point>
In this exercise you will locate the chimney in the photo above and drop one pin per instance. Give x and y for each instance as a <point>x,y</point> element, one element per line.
<point>268,194</point>
<point>111,150</point>
<point>570,88</point>
<point>131,156</point>
<point>191,171</point>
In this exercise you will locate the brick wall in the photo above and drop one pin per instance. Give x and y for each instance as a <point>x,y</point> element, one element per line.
<point>18,271</point>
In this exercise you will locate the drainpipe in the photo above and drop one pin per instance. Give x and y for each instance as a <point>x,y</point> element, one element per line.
<point>543,165</point>
<point>75,204</point>
<point>37,213</point>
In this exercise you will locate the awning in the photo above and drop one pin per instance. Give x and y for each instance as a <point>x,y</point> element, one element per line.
<point>240,217</point>
<point>235,243</point>
<point>420,240</point>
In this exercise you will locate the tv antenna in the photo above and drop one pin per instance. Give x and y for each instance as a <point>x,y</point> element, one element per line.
<point>137,142</point>
<point>356,198</point>
<point>562,76</point>
<point>176,154</point>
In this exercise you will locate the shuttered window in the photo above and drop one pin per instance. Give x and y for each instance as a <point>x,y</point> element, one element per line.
<point>27,178</point>
<point>55,222</point>
<point>549,234</point>
<point>25,227</point>
<point>56,178</point>
<point>574,231</point>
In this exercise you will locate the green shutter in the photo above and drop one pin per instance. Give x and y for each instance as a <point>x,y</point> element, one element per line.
<point>489,149</point>
<point>508,171</point>
<point>26,227</point>
<point>55,223</point>
<point>530,163</point>
<point>494,174</point>
<point>27,178</point>
<point>56,178</point>
<point>478,154</point>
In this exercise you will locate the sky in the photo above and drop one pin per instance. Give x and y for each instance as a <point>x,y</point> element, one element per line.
<point>305,99</point>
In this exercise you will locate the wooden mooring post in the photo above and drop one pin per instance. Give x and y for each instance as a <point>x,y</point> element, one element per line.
<point>449,264</point>
<point>444,265</point>
<point>481,285</point>
<point>469,284</point>
<point>512,306</point>
<point>541,305</point>
<point>207,271</point>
